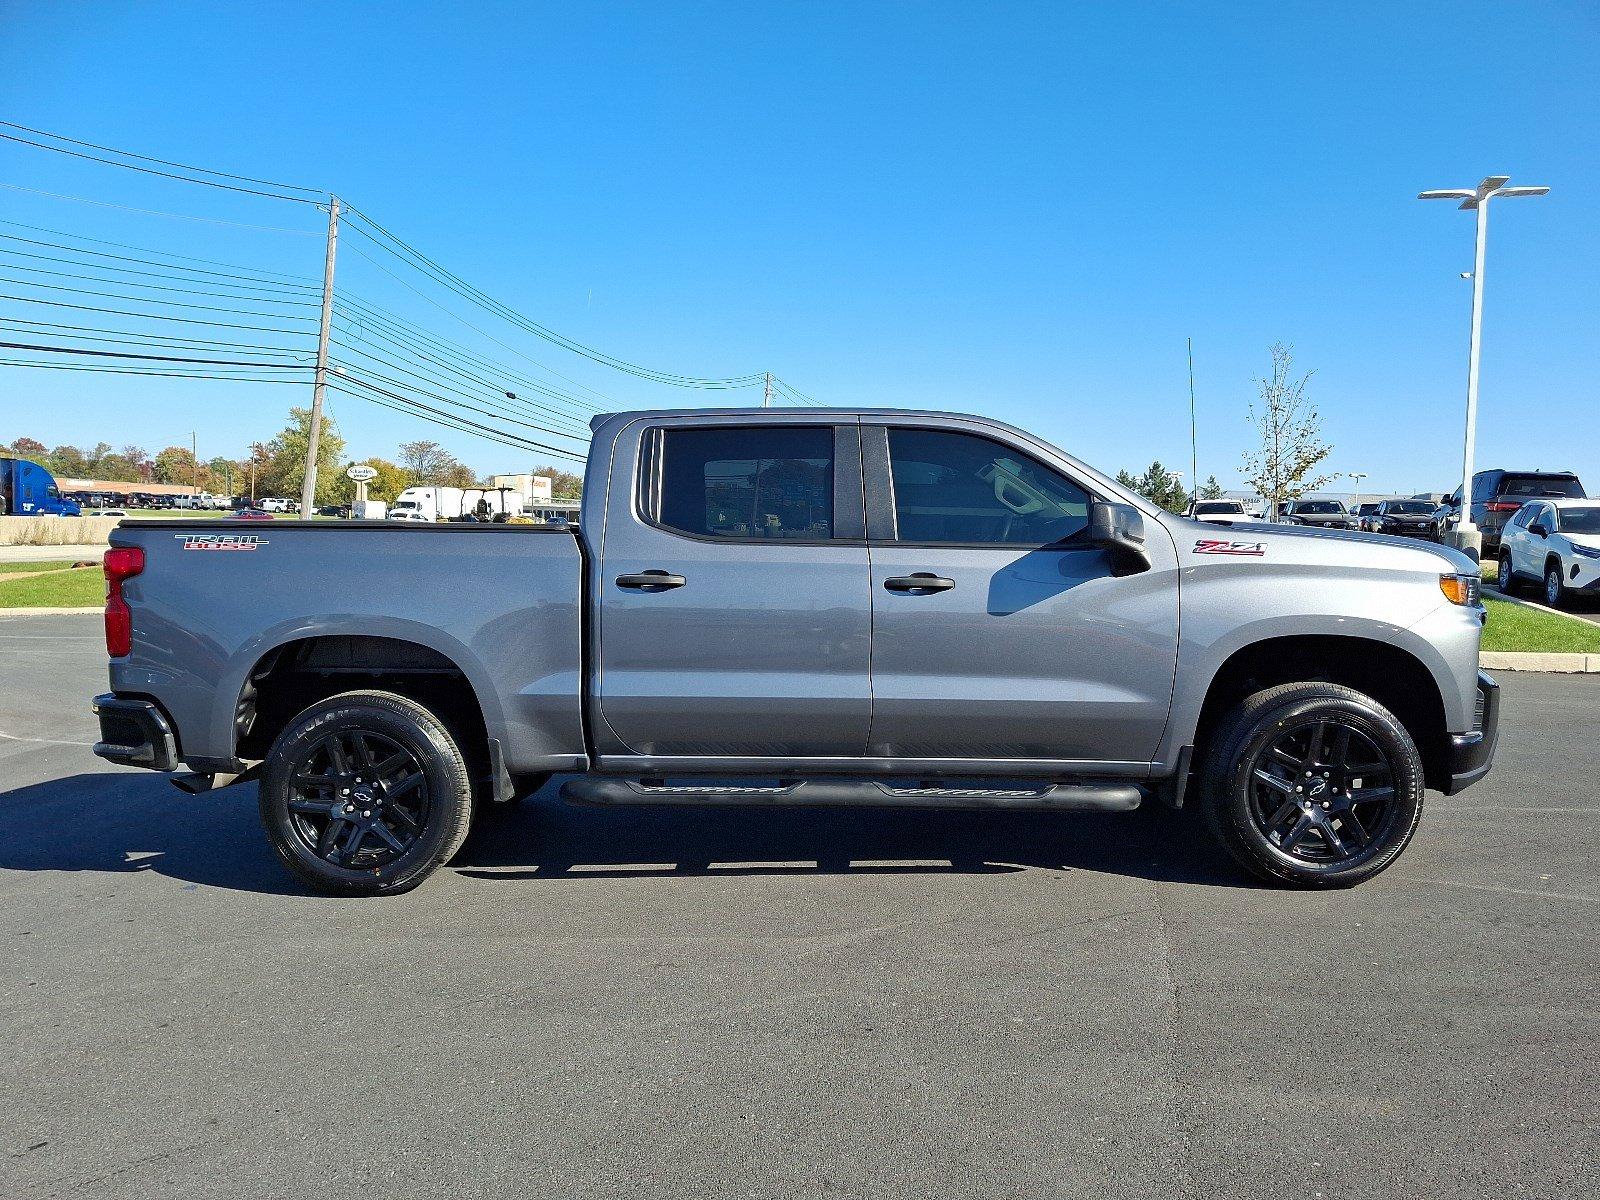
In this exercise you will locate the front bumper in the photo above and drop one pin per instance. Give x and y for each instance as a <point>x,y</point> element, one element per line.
<point>1472,753</point>
<point>135,733</point>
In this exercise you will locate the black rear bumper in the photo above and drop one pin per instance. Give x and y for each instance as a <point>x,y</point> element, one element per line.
<point>135,733</point>
<point>1472,753</point>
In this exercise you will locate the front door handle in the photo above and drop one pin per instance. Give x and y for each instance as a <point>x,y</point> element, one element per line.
<point>922,581</point>
<point>651,581</point>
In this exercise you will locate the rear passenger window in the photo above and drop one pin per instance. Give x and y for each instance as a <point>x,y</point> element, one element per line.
<point>769,483</point>
<point>962,489</point>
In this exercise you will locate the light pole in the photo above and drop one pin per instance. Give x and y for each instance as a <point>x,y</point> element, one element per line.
<point>1466,535</point>
<point>1358,476</point>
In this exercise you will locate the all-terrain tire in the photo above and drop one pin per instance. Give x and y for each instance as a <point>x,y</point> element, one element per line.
<point>1231,755</point>
<point>397,722</point>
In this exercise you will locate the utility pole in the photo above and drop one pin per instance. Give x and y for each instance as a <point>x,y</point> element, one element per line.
<point>766,396</point>
<point>194,463</point>
<point>1465,536</point>
<point>308,489</point>
<point>1194,451</point>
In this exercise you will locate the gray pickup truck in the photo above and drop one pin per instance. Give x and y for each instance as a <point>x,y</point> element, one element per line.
<point>825,607</point>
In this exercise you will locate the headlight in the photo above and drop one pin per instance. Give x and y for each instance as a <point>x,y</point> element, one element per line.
<point>1585,552</point>
<point>1460,589</point>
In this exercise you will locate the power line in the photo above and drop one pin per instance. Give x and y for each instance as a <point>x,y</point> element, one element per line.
<point>111,162</point>
<point>610,402</point>
<point>211,362</point>
<point>420,262</point>
<point>291,187</point>
<point>363,383</point>
<point>448,357</point>
<point>250,271</point>
<point>122,312</point>
<point>510,440</point>
<point>482,412</point>
<point>159,212</point>
<point>167,272</point>
<point>221,377</point>
<point>246,312</point>
<point>121,337</point>
<point>263,298</point>
<point>494,398</point>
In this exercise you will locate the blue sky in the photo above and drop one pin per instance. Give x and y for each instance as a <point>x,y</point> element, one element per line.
<point>1021,210</point>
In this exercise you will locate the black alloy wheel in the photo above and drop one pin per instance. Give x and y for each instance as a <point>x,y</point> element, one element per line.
<point>1311,784</point>
<point>1323,791</point>
<point>1506,582</point>
<point>365,794</point>
<point>358,799</point>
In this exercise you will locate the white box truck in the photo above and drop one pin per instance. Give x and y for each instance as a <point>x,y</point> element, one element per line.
<point>427,503</point>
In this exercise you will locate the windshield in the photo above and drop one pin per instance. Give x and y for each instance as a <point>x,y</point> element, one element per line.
<point>1541,485</point>
<point>1213,507</point>
<point>1578,520</point>
<point>1411,508</point>
<point>1320,507</point>
<point>406,504</point>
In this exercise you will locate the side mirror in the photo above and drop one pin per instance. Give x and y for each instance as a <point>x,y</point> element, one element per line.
<point>1119,528</point>
<point>1538,529</point>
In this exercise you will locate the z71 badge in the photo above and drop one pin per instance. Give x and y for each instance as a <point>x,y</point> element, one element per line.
<point>220,541</point>
<point>1217,546</point>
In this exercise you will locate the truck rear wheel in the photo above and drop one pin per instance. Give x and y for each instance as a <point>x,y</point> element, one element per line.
<point>1313,785</point>
<point>365,794</point>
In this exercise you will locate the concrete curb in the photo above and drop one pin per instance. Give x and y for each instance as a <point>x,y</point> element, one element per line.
<point>1565,664</point>
<point>51,612</point>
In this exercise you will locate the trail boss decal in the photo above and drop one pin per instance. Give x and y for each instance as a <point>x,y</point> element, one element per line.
<point>220,541</point>
<point>1218,546</point>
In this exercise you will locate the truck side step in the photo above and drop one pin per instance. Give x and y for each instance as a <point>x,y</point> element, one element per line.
<point>851,793</point>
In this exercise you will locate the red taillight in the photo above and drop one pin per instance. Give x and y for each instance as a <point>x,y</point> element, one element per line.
<point>121,563</point>
<point>1502,506</point>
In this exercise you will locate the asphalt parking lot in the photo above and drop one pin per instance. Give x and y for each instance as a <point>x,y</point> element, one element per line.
<point>814,1003</point>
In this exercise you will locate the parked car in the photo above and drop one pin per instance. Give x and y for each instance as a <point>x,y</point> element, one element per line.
<point>906,610</point>
<point>1320,514</point>
<point>1555,543</point>
<point>1224,512</point>
<point>1364,514</point>
<point>252,514</point>
<point>1498,493</point>
<point>1404,518</point>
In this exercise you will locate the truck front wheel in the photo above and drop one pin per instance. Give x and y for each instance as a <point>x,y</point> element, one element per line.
<point>1312,784</point>
<point>365,794</point>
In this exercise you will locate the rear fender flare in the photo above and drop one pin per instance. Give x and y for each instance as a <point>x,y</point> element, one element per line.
<point>244,660</point>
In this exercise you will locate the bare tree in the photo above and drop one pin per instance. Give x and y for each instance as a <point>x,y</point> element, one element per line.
<point>428,462</point>
<point>1291,436</point>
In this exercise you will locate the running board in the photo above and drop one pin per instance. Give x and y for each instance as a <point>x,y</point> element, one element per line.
<point>851,793</point>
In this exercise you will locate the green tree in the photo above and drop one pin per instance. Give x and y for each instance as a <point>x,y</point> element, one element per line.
<point>63,460</point>
<point>391,480</point>
<point>1158,485</point>
<point>564,485</point>
<point>1291,436</point>
<point>1210,489</point>
<point>286,466</point>
<point>175,464</point>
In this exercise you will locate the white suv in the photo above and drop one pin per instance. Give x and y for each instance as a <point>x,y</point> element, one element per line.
<point>1555,541</point>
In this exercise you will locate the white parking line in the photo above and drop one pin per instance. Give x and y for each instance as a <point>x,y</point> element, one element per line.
<point>11,737</point>
<point>1491,887</point>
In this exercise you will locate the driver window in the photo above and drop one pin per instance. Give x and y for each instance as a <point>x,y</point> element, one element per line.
<point>957,488</point>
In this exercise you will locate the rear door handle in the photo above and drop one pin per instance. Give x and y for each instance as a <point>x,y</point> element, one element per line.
<point>922,581</point>
<point>651,581</point>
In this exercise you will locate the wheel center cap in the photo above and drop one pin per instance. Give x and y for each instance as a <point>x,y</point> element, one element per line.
<point>1318,787</point>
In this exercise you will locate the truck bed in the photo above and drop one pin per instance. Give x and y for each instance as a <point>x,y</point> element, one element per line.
<point>503,603</point>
